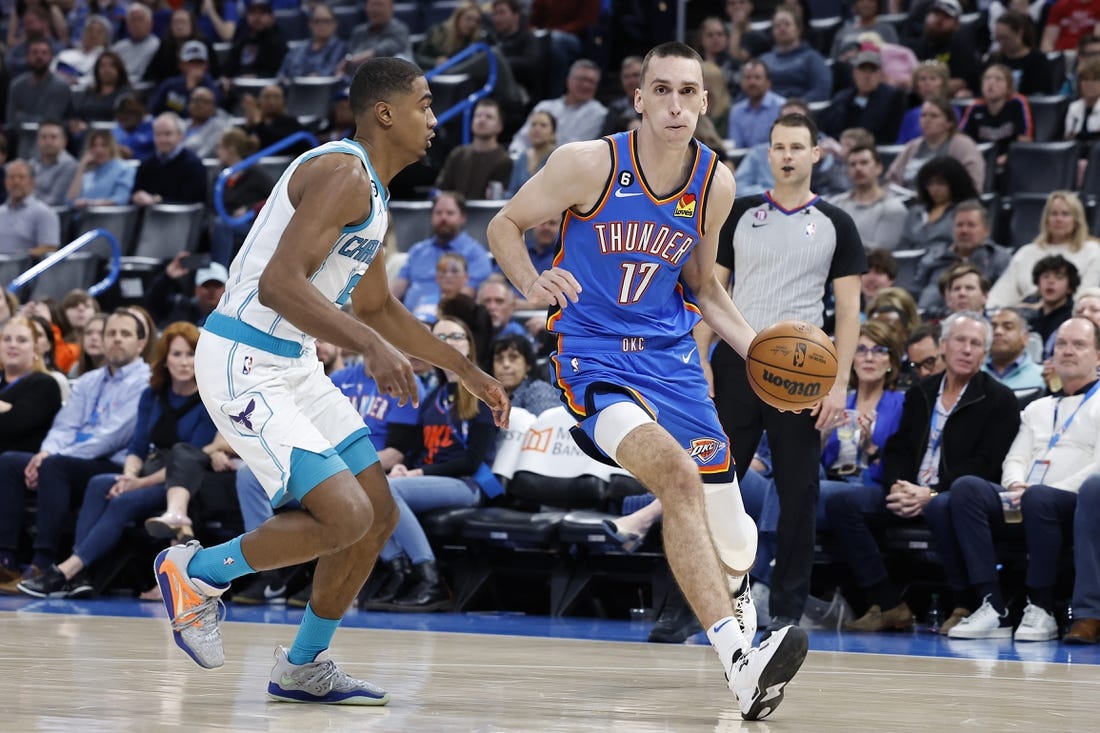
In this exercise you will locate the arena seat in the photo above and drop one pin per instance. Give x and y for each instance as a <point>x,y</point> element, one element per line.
<point>1027,215</point>
<point>121,221</point>
<point>311,96</point>
<point>168,229</point>
<point>553,472</point>
<point>478,215</point>
<point>411,221</point>
<point>293,22</point>
<point>12,266</point>
<point>1041,167</point>
<point>78,270</point>
<point>347,17</point>
<point>1048,115</point>
<point>907,260</point>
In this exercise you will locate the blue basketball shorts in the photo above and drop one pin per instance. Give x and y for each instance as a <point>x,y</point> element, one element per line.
<point>663,377</point>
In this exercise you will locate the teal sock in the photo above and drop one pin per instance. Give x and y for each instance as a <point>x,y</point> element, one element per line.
<point>314,636</point>
<point>220,564</point>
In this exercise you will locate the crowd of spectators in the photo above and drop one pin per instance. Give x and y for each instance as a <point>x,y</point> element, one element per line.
<point>920,105</point>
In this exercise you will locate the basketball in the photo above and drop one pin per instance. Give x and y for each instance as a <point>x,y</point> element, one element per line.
<point>791,365</point>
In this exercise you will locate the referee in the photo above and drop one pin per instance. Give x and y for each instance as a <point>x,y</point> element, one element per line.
<point>787,246</point>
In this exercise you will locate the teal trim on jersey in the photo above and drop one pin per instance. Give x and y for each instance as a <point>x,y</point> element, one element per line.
<point>308,469</point>
<point>385,192</point>
<point>234,330</point>
<point>357,451</point>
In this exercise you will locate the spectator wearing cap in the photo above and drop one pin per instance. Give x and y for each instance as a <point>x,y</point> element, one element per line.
<point>174,94</point>
<point>259,50</point>
<point>322,54</point>
<point>167,299</point>
<point>174,175</point>
<point>943,39</point>
<point>1067,22</point>
<point>871,103</point>
<point>27,225</point>
<point>140,45</point>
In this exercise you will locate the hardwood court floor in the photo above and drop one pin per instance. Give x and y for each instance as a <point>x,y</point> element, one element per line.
<point>103,673</point>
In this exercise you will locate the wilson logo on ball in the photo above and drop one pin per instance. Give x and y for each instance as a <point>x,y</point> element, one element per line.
<point>791,387</point>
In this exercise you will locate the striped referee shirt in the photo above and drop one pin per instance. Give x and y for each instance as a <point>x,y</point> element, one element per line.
<point>783,260</point>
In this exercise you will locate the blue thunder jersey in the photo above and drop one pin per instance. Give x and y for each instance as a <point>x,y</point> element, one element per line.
<point>628,251</point>
<point>378,410</point>
<point>336,277</point>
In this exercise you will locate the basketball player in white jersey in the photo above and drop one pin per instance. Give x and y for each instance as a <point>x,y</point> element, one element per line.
<point>309,251</point>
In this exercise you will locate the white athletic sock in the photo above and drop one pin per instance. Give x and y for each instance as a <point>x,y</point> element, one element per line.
<point>728,641</point>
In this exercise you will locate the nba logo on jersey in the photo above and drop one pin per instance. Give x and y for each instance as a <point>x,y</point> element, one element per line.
<point>246,365</point>
<point>686,206</point>
<point>810,229</point>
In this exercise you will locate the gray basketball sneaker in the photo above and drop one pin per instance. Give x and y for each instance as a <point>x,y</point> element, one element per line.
<point>320,681</point>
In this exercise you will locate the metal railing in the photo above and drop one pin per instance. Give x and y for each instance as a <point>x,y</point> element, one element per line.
<point>466,106</point>
<point>219,185</point>
<point>77,244</point>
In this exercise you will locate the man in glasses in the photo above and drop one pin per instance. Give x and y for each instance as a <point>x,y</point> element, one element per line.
<point>922,354</point>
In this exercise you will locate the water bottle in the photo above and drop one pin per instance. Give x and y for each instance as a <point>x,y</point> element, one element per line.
<point>932,622</point>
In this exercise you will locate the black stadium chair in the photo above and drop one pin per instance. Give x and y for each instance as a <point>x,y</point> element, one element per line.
<point>1041,167</point>
<point>1048,114</point>
<point>1027,215</point>
<point>907,260</point>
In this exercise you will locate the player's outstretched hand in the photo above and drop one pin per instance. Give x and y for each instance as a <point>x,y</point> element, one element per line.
<point>490,391</point>
<point>554,287</point>
<point>392,371</point>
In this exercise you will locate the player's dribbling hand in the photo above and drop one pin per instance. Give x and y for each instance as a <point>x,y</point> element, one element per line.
<point>554,287</point>
<point>392,372</point>
<point>490,391</point>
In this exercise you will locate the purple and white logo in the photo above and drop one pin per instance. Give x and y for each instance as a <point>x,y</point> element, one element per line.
<point>760,214</point>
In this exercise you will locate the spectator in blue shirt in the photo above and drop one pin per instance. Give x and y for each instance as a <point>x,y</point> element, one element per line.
<point>418,275</point>
<point>797,70</point>
<point>751,117</point>
<point>322,53</point>
<point>102,178</point>
<point>88,437</point>
<point>134,129</point>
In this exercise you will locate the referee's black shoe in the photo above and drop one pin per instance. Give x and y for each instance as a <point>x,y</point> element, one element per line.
<point>676,623</point>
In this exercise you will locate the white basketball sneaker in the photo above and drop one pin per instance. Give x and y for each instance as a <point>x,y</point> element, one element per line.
<point>744,609</point>
<point>759,675</point>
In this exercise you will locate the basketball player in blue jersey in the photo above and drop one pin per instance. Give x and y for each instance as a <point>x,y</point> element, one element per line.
<point>310,251</point>
<point>632,276</point>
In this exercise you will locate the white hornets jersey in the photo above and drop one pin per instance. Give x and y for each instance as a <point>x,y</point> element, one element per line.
<point>336,277</point>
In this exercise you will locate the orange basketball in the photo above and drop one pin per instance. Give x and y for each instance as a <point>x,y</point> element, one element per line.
<point>791,365</point>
